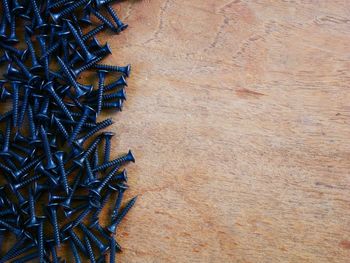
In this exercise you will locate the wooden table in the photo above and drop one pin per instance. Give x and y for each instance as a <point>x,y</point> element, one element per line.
<point>238,114</point>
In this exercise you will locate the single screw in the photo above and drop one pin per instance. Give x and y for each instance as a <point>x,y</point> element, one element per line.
<point>15,101</point>
<point>27,92</point>
<point>124,70</point>
<point>81,217</point>
<point>58,3</point>
<point>86,66</point>
<point>101,77</point>
<point>113,250</point>
<point>103,19</point>
<point>52,246</point>
<point>56,16</point>
<point>7,13</point>
<point>61,128</point>
<point>35,64</point>
<point>41,241</point>
<point>54,221</point>
<point>113,227</point>
<point>113,14</point>
<point>86,17</point>
<point>6,142</point>
<point>107,150</point>
<point>39,21</point>
<point>121,189</point>
<point>12,39</point>
<point>119,161</point>
<point>50,164</point>
<point>61,170</point>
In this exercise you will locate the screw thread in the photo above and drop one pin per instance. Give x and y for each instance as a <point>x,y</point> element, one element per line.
<point>78,127</point>
<point>108,178</point>
<point>107,151</point>
<point>79,40</point>
<point>23,107</point>
<point>91,236</point>
<point>15,102</point>
<point>60,102</point>
<point>41,241</point>
<point>31,122</point>
<point>89,249</point>
<point>46,144</point>
<point>31,206</point>
<point>75,252</point>
<point>61,128</point>
<point>77,241</point>
<point>112,251</point>
<point>28,166</point>
<point>6,7</point>
<point>22,67</point>
<point>100,92</point>
<point>99,209</point>
<point>93,32</point>
<point>81,217</point>
<point>63,176</point>
<point>102,125</point>
<point>125,210</point>
<point>28,181</point>
<point>7,136</point>
<point>118,161</point>
<point>72,7</point>
<point>58,4</point>
<point>56,229</point>
<point>88,65</point>
<point>102,19</point>
<point>36,11</point>
<point>114,16</point>
<point>117,205</point>
<point>50,50</point>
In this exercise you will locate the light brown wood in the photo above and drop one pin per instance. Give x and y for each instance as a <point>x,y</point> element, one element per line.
<point>238,114</point>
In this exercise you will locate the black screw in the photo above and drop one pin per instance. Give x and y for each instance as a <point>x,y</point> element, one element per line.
<point>119,161</point>
<point>6,143</point>
<point>15,97</point>
<point>12,39</point>
<point>121,189</point>
<point>41,241</point>
<point>113,227</point>
<point>86,53</point>
<point>113,250</point>
<point>52,209</point>
<point>87,112</point>
<point>103,19</point>
<point>99,244</point>
<point>104,182</point>
<point>5,5</point>
<point>124,70</point>
<point>113,14</point>
<point>50,164</point>
<point>39,21</point>
<point>102,125</point>
<point>107,150</point>
<point>88,151</point>
<point>49,87</point>
<point>89,250</point>
<point>56,16</point>
<point>101,77</point>
<point>75,252</point>
<point>61,170</point>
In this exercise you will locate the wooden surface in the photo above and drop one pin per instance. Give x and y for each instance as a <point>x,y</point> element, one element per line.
<point>238,114</point>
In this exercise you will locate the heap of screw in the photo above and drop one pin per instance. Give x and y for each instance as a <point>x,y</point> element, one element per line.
<point>57,174</point>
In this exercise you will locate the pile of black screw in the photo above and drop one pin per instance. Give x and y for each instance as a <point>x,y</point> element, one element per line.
<point>56,171</point>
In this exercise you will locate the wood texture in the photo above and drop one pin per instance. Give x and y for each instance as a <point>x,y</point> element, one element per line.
<point>238,114</point>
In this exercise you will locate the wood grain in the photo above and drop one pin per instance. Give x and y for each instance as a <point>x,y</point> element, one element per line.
<point>238,114</point>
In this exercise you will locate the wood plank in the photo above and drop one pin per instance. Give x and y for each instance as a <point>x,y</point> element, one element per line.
<point>238,114</point>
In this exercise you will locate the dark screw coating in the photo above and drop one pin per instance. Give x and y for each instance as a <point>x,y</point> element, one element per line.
<point>113,14</point>
<point>89,250</point>
<point>69,9</point>
<point>113,227</point>
<point>50,164</point>
<point>119,161</point>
